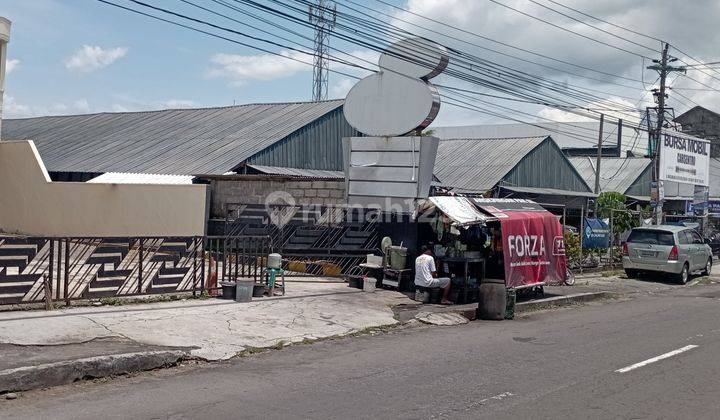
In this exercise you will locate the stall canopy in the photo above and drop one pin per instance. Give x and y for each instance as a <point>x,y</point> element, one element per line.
<point>459,209</point>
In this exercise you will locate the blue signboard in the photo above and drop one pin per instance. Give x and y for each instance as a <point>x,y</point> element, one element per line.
<point>596,234</point>
<point>713,207</point>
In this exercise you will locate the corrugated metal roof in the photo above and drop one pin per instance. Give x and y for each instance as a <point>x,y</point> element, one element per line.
<point>616,174</point>
<point>477,165</point>
<point>549,191</point>
<point>132,178</point>
<point>174,141</point>
<point>570,135</point>
<point>297,172</point>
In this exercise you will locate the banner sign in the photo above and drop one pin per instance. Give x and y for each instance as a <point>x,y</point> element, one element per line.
<point>533,248</point>
<point>657,193</point>
<point>685,160</point>
<point>701,196</point>
<point>713,207</point>
<point>596,234</point>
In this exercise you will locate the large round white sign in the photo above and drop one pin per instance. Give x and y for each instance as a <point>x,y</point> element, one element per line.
<point>398,99</point>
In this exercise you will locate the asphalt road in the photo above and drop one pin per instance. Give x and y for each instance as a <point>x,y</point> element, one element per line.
<point>555,364</point>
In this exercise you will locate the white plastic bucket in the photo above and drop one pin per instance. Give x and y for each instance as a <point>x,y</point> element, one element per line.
<point>369,284</point>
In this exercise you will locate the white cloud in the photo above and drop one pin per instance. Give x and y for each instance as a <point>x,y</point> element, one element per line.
<point>14,109</point>
<point>264,67</point>
<point>11,65</point>
<point>90,58</point>
<point>125,103</point>
<point>129,103</point>
<point>240,69</point>
<point>364,58</point>
<point>341,88</point>
<point>177,103</point>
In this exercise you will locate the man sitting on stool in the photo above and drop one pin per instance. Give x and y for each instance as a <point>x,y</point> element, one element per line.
<point>426,274</point>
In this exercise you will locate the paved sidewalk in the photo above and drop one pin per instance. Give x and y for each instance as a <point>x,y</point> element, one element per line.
<point>210,329</point>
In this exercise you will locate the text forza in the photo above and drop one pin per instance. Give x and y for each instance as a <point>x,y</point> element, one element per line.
<point>687,145</point>
<point>526,245</point>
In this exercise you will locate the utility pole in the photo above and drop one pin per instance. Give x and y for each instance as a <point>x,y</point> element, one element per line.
<point>4,39</point>
<point>662,67</point>
<point>598,162</point>
<point>322,15</point>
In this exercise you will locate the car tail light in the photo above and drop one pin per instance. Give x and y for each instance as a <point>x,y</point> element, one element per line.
<point>673,254</point>
<point>625,250</point>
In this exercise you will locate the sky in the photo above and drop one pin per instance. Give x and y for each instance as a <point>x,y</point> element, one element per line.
<point>82,56</point>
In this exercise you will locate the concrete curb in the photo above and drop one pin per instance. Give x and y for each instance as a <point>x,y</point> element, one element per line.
<point>61,373</point>
<point>469,311</point>
<point>534,305</point>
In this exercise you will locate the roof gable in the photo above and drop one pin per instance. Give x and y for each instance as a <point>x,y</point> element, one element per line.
<point>616,174</point>
<point>174,141</point>
<point>477,165</point>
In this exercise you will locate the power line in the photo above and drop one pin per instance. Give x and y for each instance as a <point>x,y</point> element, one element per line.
<point>464,55</point>
<point>236,32</point>
<point>568,30</point>
<point>234,41</point>
<point>591,26</point>
<point>505,44</point>
<point>225,38</point>
<point>370,24</point>
<point>605,21</point>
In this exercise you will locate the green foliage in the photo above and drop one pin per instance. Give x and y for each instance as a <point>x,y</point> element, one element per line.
<point>572,247</point>
<point>613,203</point>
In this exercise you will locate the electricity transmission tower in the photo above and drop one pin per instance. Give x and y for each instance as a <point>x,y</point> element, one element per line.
<point>322,15</point>
<point>655,128</point>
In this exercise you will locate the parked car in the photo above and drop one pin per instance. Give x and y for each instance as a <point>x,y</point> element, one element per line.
<point>675,250</point>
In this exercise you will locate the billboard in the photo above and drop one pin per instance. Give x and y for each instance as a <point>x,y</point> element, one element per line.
<point>533,248</point>
<point>685,159</point>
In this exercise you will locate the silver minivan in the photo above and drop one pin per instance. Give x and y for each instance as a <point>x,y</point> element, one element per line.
<point>674,250</point>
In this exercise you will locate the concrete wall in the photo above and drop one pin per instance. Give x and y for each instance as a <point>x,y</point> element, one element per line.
<point>252,189</point>
<point>31,204</point>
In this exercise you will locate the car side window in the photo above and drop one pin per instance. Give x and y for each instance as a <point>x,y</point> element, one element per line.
<point>696,239</point>
<point>683,238</point>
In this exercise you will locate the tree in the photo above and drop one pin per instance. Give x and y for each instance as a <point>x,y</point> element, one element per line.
<point>613,203</point>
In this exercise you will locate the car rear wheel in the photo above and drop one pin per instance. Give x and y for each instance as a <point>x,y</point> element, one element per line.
<point>708,267</point>
<point>684,275</point>
<point>632,274</point>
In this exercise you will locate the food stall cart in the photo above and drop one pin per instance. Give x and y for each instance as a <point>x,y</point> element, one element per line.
<point>511,243</point>
<point>459,242</point>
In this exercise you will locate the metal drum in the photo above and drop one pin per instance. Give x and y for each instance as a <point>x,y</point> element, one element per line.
<point>493,300</point>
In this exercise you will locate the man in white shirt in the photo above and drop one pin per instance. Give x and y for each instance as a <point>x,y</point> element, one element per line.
<point>426,274</point>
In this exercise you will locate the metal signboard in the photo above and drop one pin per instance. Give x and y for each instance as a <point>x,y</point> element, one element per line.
<point>596,234</point>
<point>685,159</point>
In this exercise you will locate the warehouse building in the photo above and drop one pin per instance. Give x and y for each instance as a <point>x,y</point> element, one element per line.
<point>205,141</point>
<point>574,138</point>
<point>525,167</point>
